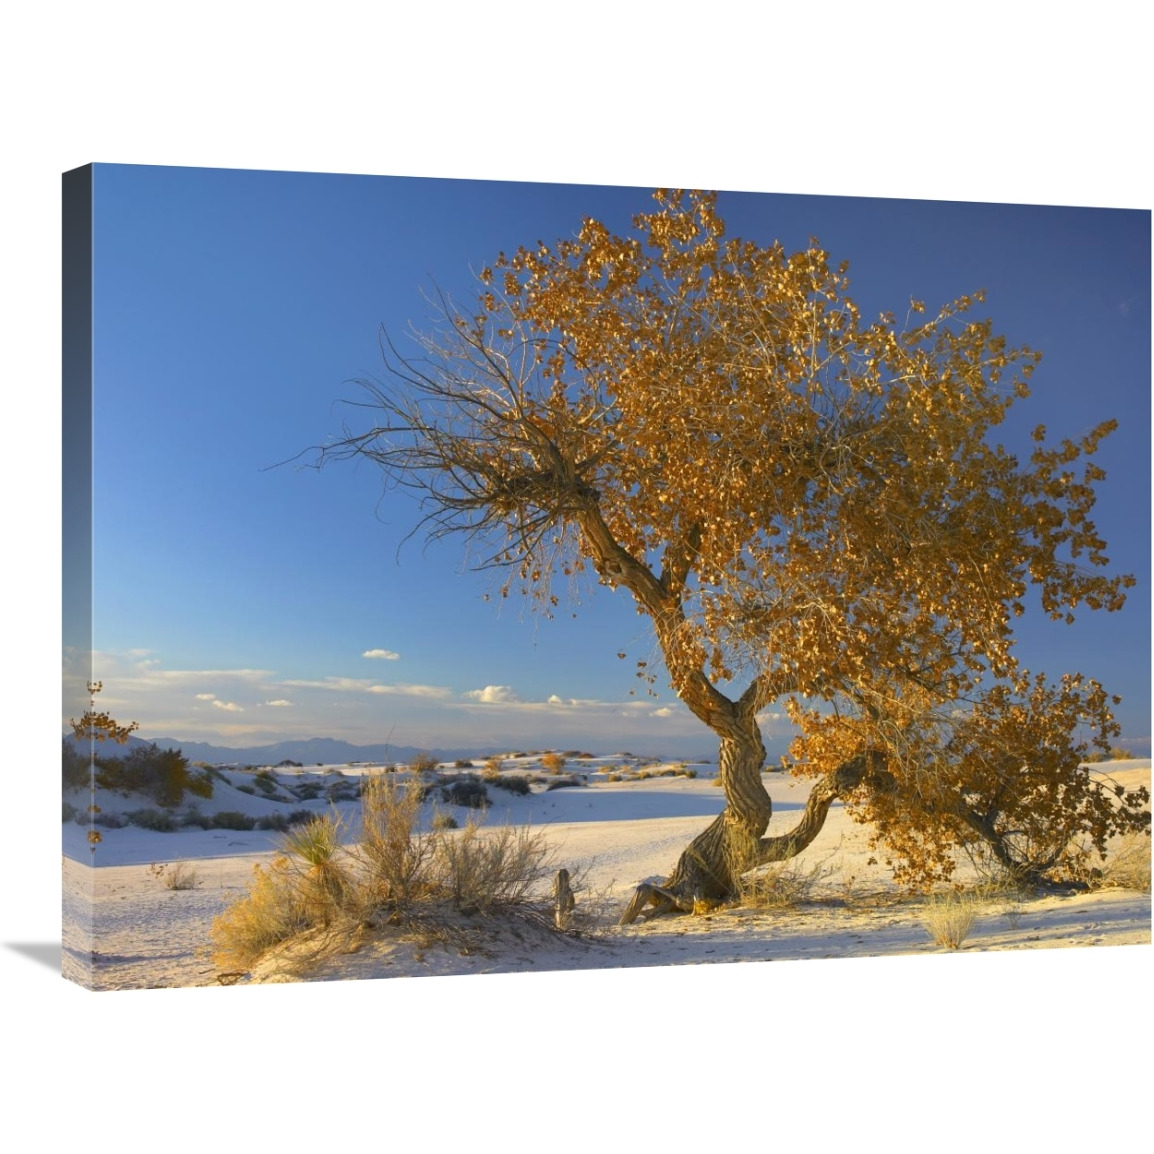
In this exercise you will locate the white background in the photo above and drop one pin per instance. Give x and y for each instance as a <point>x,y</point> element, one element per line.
<point>991,102</point>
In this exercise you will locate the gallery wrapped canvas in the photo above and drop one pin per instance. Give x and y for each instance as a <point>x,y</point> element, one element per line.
<point>469,577</point>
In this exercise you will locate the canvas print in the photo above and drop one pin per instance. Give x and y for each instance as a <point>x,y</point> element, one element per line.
<point>466,577</point>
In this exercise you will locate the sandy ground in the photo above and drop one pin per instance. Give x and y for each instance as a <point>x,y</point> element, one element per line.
<point>123,928</point>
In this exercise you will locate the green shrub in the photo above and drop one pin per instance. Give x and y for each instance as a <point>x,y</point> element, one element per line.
<point>230,819</point>
<point>277,821</point>
<point>516,783</point>
<point>157,820</point>
<point>163,774</point>
<point>564,783</point>
<point>74,767</point>
<point>307,790</point>
<point>468,791</point>
<point>265,781</point>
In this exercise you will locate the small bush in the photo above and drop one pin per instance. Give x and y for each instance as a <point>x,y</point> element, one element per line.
<point>230,819</point>
<point>444,821</point>
<point>277,821</point>
<point>182,876</point>
<point>74,767</point>
<point>948,918</point>
<point>195,818</point>
<point>307,790</point>
<point>265,781</point>
<point>482,871</point>
<point>109,820</point>
<point>553,762</point>
<point>250,790</point>
<point>423,763</point>
<point>268,914</point>
<point>68,812</point>
<point>783,885</point>
<point>200,784</point>
<point>516,783</point>
<point>1127,867</point>
<point>564,783</point>
<point>468,791</point>
<point>298,816</point>
<point>157,820</point>
<point>462,763</point>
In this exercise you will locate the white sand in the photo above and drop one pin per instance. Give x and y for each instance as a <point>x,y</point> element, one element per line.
<point>142,934</point>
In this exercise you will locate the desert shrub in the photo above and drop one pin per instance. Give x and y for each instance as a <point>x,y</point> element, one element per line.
<point>163,774</point>
<point>516,783</point>
<point>423,763</point>
<point>231,819</point>
<point>392,874</point>
<point>195,818</point>
<point>250,790</point>
<point>74,767</point>
<point>68,812</point>
<point>392,853</point>
<point>277,821</point>
<point>109,820</point>
<point>553,762</point>
<point>614,776</point>
<point>343,791</point>
<point>483,870</point>
<point>307,790</point>
<point>468,791</point>
<point>564,783</point>
<point>157,820</point>
<point>784,885</point>
<point>444,821</point>
<point>948,918</point>
<point>182,876</point>
<point>200,784</point>
<point>268,914</point>
<point>297,816</point>
<point>1127,866</point>
<point>325,887</point>
<point>462,763</point>
<point>264,780</point>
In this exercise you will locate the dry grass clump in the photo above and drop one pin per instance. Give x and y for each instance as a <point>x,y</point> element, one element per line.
<point>948,918</point>
<point>328,894</point>
<point>1127,867</point>
<point>784,885</point>
<point>182,876</point>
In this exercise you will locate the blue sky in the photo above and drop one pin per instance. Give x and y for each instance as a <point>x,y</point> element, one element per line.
<point>240,603</point>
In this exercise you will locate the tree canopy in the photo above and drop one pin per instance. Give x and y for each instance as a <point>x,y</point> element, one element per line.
<point>806,502</point>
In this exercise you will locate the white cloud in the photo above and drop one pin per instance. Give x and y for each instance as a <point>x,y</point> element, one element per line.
<point>664,711</point>
<point>280,703</point>
<point>382,654</point>
<point>206,697</point>
<point>493,695</point>
<point>229,706</point>
<point>364,685</point>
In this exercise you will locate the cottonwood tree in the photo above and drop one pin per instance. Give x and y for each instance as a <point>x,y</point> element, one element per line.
<point>804,501</point>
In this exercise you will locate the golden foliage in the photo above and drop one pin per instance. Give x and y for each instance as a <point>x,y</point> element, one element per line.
<point>794,493</point>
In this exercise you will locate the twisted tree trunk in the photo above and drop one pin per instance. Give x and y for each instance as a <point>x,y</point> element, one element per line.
<point>709,871</point>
